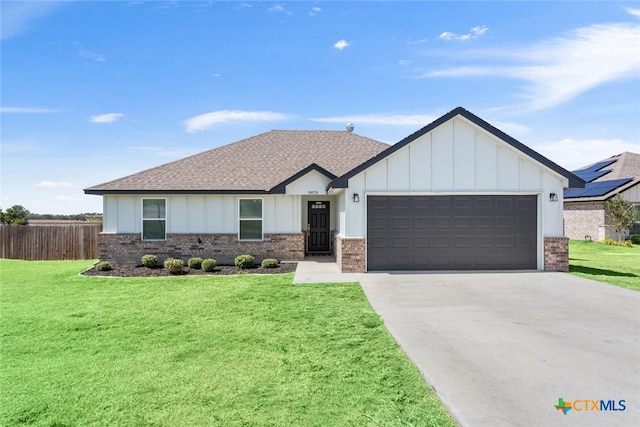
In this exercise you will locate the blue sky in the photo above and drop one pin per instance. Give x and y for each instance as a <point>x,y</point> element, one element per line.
<point>93,91</point>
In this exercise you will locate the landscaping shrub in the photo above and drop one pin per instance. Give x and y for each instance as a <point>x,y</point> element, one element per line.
<point>149,260</point>
<point>174,265</point>
<point>635,240</point>
<point>610,241</point>
<point>104,266</point>
<point>245,261</point>
<point>195,262</point>
<point>209,265</point>
<point>269,263</point>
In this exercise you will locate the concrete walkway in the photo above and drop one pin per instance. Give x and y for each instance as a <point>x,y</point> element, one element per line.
<point>321,269</point>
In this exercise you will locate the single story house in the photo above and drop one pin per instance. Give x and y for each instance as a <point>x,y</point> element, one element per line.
<point>585,216</point>
<point>458,194</point>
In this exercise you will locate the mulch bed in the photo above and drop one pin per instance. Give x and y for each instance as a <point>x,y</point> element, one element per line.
<point>220,270</point>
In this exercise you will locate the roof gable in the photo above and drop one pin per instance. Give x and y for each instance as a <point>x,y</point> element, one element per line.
<point>259,164</point>
<point>282,187</point>
<point>574,181</point>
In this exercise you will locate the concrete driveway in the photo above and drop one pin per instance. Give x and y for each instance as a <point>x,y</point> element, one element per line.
<point>500,349</point>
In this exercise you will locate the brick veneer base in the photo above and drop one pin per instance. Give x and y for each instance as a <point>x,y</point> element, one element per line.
<point>556,254</point>
<point>350,254</point>
<point>127,249</point>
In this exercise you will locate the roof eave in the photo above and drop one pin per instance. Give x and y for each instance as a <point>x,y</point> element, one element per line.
<point>100,192</point>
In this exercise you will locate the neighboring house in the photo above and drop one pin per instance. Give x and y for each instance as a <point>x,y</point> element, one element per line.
<point>457,194</point>
<point>584,208</point>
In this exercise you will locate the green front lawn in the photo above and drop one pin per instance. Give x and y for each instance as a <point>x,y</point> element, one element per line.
<point>610,264</point>
<point>198,351</point>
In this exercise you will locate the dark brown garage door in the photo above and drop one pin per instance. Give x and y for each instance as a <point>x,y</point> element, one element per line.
<point>451,232</point>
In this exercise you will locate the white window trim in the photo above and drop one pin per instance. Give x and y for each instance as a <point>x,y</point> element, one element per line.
<point>252,219</point>
<point>142,218</point>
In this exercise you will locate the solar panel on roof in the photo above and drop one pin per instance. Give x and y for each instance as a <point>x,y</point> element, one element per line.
<point>594,171</point>
<point>595,189</point>
<point>592,176</point>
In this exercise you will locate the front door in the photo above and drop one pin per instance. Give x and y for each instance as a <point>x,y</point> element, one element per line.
<point>318,227</point>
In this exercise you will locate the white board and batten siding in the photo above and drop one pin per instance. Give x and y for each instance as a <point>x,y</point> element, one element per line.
<point>632,194</point>
<point>202,213</point>
<point>457,157</point>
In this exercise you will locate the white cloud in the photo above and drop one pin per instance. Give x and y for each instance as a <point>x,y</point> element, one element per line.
<point>52,184</point>
<point>514,130</point>
<point>469,71</point>
<point>634,12</point>
<point>26,110</point>
<point>244,6</point>
<point>106,118</point>
<point>380,119</point>
<point>17,17</point>
<point>573,154</point>
<point>315,10</point>
<point>417,41</point>
<point>404,62</point>
<point>473,33</point>
<point>96,57</point>
<point>207,120</point>
<point>341,44</point>
<point>559,69</point>
<point>279,9</point>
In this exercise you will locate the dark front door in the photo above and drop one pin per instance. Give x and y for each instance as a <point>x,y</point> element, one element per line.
<point>318,227</point>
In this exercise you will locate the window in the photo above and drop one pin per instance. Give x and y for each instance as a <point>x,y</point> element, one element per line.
<point>250,219</point>
<point>154,219</point>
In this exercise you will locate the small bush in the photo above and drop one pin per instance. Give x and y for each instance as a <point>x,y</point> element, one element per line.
<point>245,261</point>
<point>635,240</point>
<point>610,241</point>
<point>149,260</point>
<point>209,265</point>
<point>269,263</point>
<point>104,266</point>
<point>174,265</point>
<point>195,262</point>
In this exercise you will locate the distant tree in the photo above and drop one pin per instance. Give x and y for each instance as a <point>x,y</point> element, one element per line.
<point>88,216</point>
<point>15,215</point>
<point>622,214</point>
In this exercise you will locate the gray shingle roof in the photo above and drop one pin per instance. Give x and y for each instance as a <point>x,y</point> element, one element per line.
<point>255,164</point>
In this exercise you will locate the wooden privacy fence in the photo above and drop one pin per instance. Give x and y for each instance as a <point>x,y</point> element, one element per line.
<point>49,242</point>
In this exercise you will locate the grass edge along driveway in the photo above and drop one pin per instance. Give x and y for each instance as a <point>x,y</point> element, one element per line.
<point>615,265</point>
<point>242,350</point>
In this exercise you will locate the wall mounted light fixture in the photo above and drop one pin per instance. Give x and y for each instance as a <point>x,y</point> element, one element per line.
<point>356,198</point>
<point>553,197</point>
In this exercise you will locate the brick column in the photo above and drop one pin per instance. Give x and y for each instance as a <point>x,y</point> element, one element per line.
<point>556,254</point>
<point>350,254</point>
